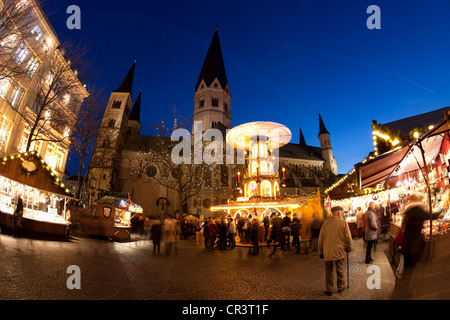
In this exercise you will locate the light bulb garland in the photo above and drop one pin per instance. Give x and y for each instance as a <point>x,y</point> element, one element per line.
<point>27,156</point>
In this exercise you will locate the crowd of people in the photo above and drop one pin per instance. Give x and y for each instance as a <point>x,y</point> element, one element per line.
<point>255,231</point>
<point>168,232</point>
<point>222,233</point>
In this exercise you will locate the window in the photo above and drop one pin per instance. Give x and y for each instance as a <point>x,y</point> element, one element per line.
<point>111,123</point>
<point>49,155</point>
<point>151,171</point>
<point>30,19</point>
<point>9,42</point>
<point>59,160</point>
<point>5,131</point>
<point>225,107</point>
<point>16,96</point>
<point>49,78</point>
<point>116,104</point>
<point>201,103</point>
<point>214,102</point>
<point>4,87</point>
<point>36,146</point>
<point>37,30</point>
<point>21,53</point>
<point>23,141</point>
<point>224,176</point>
<point>32,66</point>
<point>66,99</point>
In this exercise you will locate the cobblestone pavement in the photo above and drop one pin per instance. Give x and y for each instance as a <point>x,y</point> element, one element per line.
<point>37,270</point>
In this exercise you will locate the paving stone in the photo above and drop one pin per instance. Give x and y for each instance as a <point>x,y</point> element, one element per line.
<point>37,270</point>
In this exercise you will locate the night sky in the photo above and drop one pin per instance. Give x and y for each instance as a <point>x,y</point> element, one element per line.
<point>285,60</point>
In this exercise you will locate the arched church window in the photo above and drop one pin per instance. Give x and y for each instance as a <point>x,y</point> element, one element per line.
<point>214,102</point>
<point>207,203</point>
<point>151,171</point>
<point>116,104</point>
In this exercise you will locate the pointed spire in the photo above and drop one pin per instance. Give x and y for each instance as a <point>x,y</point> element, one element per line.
<point>135,113</point>
<point>213,66</point>
<point>322,128</point>
<point>127,83</point>
<point>302,140</point>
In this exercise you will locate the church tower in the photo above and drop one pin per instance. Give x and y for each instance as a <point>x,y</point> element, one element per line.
<point>112,136</point>
<point>325,146</point>
<point>134,120</point>
<point>212,94</point>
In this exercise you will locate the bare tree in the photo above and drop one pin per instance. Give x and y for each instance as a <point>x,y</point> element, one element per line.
<point>16,18</point>
<point>85,134</point>
<point>186,179</point>
<point>57,95</point>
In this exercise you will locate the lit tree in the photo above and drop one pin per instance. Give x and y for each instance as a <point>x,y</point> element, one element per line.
<point>186,179</point>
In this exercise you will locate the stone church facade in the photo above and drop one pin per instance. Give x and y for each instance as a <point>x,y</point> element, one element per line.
<point>126,167</point>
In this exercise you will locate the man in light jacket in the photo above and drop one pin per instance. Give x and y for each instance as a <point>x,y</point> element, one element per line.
<point>334,240</point>
<point>371,230</point>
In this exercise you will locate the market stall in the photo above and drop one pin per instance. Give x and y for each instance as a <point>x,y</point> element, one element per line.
<point>421,166</point>
<point>43,194</point>
<point>112,218</point>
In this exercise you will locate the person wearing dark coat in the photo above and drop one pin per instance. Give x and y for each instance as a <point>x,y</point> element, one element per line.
<point>286,231</point>
<point>414,216</point>
<point>266,224</point>
<point>412,243</point>
<point>223,235</point>
<point>254,236</point>
<point>156,232</point>
<point>316,224</point>
<point>275,234</point>
<point>206,233</point>
<point>372,226</point>
<point>17,218</point>
<point>295,232</point>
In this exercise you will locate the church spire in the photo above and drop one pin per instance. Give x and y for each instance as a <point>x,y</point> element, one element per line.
<point>135,113</point>
<point>322,128</point>
<point>213,66</point>
<point>127,83</point>
<point>302,140</point>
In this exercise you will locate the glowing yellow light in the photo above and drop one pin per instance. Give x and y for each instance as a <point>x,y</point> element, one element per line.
<point>383,136</point>
<point>395,142</point>
<point>416,134</point>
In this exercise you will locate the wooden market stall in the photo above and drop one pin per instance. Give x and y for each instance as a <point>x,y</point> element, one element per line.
<point>112,218</point>
<point>43,193</point>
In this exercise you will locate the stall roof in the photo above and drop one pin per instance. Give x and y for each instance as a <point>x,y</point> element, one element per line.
<point>406,159</point>
<point>30,169</point>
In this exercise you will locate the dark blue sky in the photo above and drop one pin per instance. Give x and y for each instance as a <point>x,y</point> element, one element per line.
<point>285,60</point>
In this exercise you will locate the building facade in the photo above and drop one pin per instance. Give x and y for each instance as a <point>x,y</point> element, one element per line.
<point>130,168</point>
<point>33,74</point>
